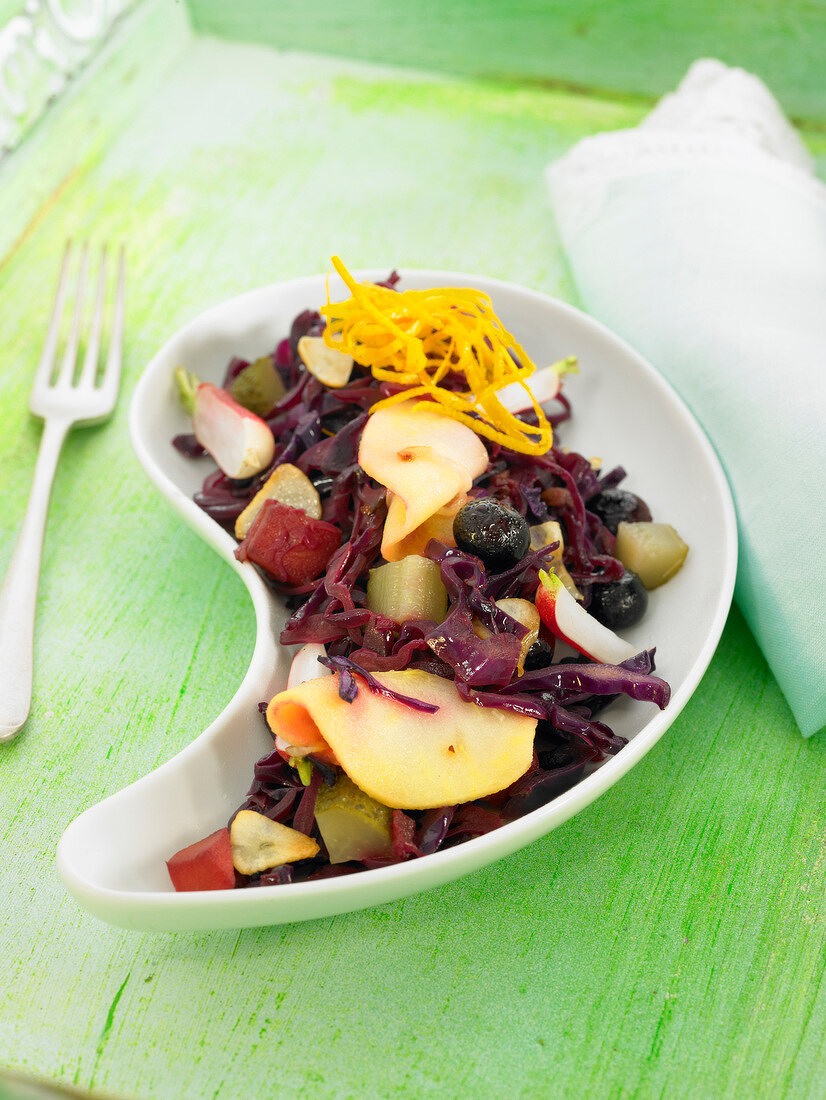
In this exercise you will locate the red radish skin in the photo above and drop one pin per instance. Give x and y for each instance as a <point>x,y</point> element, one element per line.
<point>204,865</point>
<point>241,443</point>
<point>291,546</point>
<point>568,620</point>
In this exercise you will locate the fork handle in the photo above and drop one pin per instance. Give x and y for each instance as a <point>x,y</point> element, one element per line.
<point>19,593</point>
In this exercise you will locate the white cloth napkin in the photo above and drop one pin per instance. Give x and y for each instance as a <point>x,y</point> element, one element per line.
<point>700,237</point>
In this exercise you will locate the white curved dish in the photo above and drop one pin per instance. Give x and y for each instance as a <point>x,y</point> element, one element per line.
<point>112,856</point>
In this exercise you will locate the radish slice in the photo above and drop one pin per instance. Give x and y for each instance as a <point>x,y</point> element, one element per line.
<point>305,665</point>
<point>570,621</point>
<point>544,384</point>
<point>239,441</point>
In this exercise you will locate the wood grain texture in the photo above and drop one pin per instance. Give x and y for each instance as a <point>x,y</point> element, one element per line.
<point>632,47</point>
<point>668,941</point>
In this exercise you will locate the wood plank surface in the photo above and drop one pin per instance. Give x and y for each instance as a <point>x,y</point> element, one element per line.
<point>634,47</point>
<point>666,942</point>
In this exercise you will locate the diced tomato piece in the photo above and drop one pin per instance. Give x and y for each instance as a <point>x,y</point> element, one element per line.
<point>204,865</point>
<point>290,545</point>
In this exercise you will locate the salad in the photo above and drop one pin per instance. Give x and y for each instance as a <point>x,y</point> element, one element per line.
<point>458,583</point>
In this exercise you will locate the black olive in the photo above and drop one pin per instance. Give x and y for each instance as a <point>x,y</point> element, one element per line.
<point>539,655</point>
<point>597,703</point>
<point>616,506</point>
<point>333,422</point>
<point>323,483</point>
<point>540,787</point>
<point>621,603</point>
<point>493,532</point>
<point>559,756</point>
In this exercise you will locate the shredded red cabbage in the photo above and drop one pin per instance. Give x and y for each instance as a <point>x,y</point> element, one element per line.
<point>319,430</point>
<point>348,690</point>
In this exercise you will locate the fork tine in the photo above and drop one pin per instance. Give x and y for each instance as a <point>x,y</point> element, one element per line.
<point>47,357</point>
<point>70,354</point>
<point>90,361</point>
<point>111,374</point>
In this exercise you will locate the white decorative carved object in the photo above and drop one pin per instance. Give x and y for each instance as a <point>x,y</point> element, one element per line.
<point>41,49</point>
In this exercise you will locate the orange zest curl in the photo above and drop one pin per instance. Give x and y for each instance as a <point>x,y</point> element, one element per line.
<point>417,337</point>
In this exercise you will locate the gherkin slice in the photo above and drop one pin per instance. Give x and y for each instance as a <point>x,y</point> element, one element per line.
<point>352,824</point>
<point>258,386</point>
<point>410,588</point>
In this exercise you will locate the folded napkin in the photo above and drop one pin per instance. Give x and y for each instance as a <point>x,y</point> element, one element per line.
<point>700,237</point>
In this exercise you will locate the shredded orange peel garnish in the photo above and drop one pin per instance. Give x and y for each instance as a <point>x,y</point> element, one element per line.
<point>415,338</point>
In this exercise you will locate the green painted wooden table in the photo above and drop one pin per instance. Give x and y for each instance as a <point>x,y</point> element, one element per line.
<point>668,941</point>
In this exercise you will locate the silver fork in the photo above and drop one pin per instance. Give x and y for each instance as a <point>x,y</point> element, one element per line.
<point>63,400</point>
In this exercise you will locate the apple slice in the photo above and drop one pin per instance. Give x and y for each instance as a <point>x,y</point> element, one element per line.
<point>329,365</point>
<point>438,526</point>
<point>401,757</point>
<point>425,459</point>
<point>259,843</point>
<point>569,621</point>
<point>239,441</point>
<point>543,535</point>
<point>289,485</point>
<point>204,865</point>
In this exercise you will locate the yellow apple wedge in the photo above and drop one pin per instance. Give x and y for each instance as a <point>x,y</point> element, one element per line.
<point>259,843</point>
<point>438,526</point>
<point>403,757</point>
<point>425,459</point>
<point>330,366</point>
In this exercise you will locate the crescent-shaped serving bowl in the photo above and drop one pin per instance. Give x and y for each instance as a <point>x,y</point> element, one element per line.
<point>112,857</point>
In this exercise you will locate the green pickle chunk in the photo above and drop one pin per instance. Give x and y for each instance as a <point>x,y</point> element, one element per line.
<point>258,386</point>
<point>411,588</point>
<point>352,824</point>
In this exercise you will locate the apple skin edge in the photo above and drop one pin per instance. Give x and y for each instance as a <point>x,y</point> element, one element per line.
<point>570,622</point>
